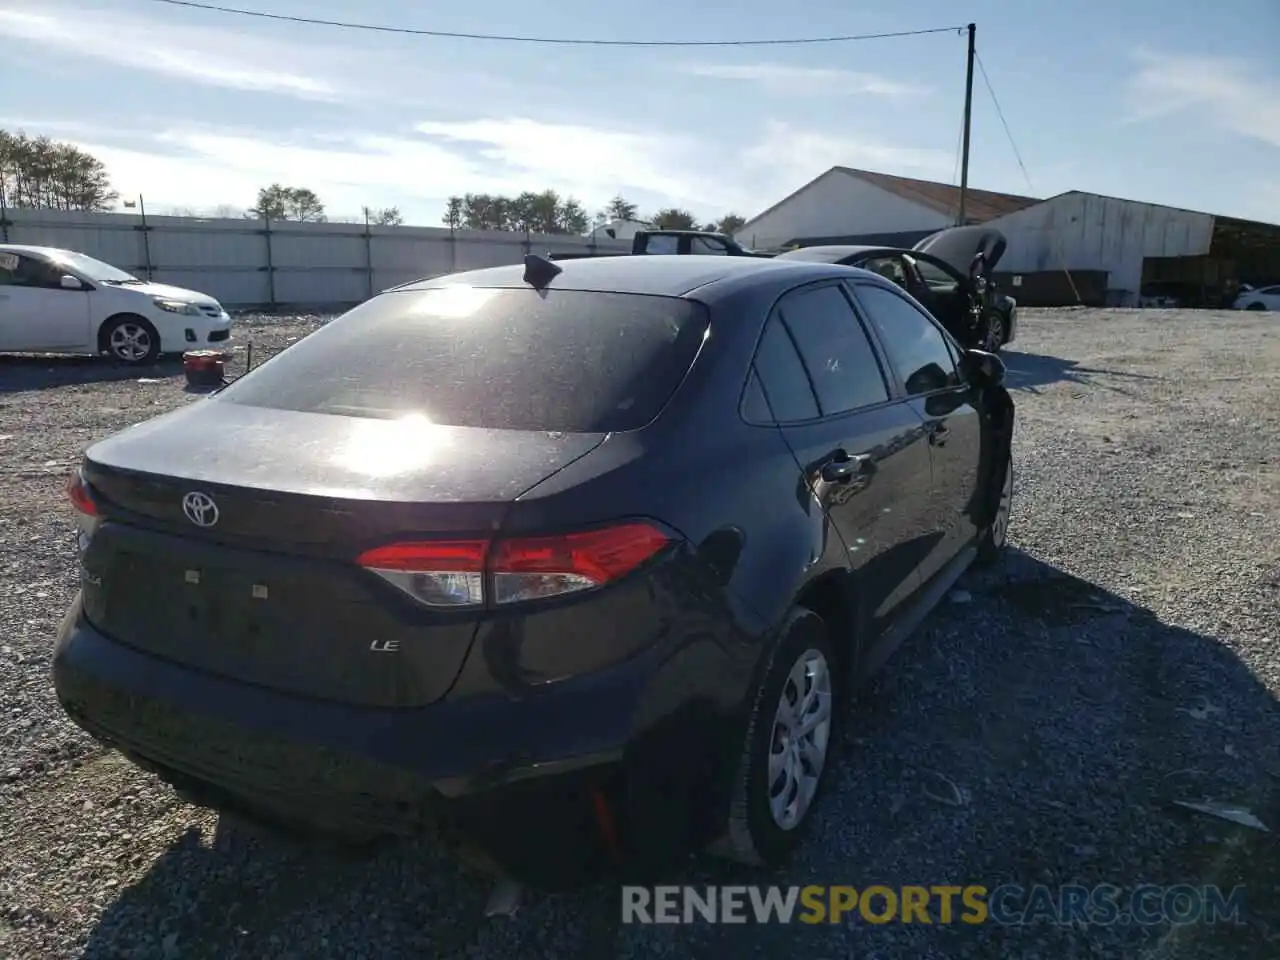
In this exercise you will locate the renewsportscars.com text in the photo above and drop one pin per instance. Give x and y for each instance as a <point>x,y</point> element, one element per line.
<point>1007,905</point>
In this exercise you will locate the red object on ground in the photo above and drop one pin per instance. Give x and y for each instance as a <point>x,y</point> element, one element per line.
<point>204,368</point>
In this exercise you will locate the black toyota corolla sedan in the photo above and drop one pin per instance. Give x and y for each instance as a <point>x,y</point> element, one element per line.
<point>577,561</point>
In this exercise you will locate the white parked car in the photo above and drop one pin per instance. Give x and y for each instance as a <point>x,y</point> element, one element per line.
<point>58,301</point>
<point>1264,298</point>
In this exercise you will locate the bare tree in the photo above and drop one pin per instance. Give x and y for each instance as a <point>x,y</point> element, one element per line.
<point>731,223</point>
<point>618,209</point>
<point>453,213</point>
<point>673,218</point>
<point>47,174</point>
<point>278,202</point>
<point>384,217</point>
<point>544,212</point>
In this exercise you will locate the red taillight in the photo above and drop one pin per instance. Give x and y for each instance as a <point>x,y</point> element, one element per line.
<point>547,566</point>
<point>451,573</point>
<point>79,495</point>
<point>444,556</point>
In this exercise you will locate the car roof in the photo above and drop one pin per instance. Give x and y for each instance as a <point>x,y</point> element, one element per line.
<point>668,275</point>
<point>29,248</point>
<point>838,252</point>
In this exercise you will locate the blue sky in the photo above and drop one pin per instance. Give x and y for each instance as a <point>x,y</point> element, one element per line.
<point>1169,102</point>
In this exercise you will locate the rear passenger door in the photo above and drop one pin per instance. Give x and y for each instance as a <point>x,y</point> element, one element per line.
<point>861,451</point>
<point>923,362</point>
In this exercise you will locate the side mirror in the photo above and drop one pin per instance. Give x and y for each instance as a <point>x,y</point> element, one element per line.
<point>982,368</point>
<point>68,282</point>
<point>975,265</point>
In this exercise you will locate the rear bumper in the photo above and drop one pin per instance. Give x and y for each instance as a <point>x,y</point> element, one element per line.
<point>484,759</point>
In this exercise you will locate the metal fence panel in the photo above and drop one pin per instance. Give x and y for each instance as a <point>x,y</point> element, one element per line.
<point>255,263</point>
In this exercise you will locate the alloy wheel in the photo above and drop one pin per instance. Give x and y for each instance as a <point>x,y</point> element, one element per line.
<point>995,334</point>
<point>801,739</point>
<point>130,342</point>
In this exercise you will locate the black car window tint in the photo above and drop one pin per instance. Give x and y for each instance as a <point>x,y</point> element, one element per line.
<point>783,377</point>
<point>835,349</point>
<point>933,275</point>
<point>916,348</point>
<point>505,359</point>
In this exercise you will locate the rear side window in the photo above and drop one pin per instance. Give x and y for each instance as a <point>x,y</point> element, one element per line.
<point>780,372</point>
<point>841,362</point>
<point>510,359</point>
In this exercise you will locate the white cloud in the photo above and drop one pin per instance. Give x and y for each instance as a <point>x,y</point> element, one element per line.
<point>212,57</point>
<point>826,80</point>
<point>1234,94</point>
<point>201,168</point>
<point>586,161</point>
<point>192,167</point>
<point>787,157</point>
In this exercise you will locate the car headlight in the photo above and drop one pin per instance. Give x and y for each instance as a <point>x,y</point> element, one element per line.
<point>178,306</point>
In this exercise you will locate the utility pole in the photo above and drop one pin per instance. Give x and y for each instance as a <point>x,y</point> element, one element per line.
<point>968,118</point>
<point>146,236</point>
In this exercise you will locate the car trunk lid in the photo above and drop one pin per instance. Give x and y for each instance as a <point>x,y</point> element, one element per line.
<point>229,535</point>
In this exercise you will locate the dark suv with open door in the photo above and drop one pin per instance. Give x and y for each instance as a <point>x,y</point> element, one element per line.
<point>950,272</point>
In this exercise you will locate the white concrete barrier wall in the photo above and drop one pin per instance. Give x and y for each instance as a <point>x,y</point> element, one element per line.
<point>252,263</point>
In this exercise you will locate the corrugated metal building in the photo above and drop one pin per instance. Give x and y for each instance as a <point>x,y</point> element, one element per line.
<point>1085,232</point>
<point>1073,247</point>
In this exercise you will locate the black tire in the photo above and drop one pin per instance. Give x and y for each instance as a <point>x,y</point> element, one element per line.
<point>994,332</point>
<point>130,339</point>
<point>1256,305</point>
<point>995,536</point>
<point>753,835</point>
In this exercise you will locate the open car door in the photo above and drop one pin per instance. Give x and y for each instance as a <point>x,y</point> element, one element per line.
<point>948,293</point>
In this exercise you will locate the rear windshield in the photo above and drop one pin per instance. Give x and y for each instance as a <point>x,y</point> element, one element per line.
<point>514,359</point>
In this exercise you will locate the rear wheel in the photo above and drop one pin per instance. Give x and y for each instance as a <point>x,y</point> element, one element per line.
<point>130,339</point>
<point>790,740</point>
<point>1257,305</point>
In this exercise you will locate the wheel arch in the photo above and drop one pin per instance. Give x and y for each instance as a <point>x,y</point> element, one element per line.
<point>833,596</point>
<point>828,591</point>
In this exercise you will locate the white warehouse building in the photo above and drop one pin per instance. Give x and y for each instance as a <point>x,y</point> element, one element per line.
<point>1075,247</point>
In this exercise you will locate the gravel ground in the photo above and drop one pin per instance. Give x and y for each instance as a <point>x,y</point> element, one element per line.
<point>1126,655</point>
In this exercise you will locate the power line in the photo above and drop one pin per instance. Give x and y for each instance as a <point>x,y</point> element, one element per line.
<point>955,169</point>
<point>1023,167</point>
<point>1000,113</point>
<point>558,41</point>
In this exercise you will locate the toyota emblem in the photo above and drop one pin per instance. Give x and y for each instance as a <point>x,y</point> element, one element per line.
<point>200,509</point>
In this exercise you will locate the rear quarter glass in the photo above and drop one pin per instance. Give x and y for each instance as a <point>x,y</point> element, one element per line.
<point>509,359</point>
